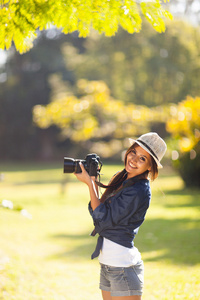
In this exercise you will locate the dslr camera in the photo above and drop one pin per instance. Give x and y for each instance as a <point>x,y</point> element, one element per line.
<point>91,163</point>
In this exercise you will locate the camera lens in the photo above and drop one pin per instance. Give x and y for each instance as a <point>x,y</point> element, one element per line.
<point>69,165</point>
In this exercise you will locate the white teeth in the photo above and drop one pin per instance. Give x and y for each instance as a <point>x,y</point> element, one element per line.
<point>132,166</point>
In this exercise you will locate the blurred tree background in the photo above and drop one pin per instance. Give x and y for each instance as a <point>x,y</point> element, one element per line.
<point>71,95</point>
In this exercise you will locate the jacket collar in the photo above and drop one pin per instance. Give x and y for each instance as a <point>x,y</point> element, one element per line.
<point>132,180</point>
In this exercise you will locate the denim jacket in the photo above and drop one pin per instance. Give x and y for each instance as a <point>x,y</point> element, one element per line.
<point>120,216</point>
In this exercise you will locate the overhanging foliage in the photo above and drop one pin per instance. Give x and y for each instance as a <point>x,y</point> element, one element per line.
<point>19,19</point>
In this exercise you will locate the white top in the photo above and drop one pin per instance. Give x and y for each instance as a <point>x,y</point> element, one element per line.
<point>115,255</point>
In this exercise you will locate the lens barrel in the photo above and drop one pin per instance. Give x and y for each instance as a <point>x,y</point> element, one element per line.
<point>69,165</point>
<point>91,163</point>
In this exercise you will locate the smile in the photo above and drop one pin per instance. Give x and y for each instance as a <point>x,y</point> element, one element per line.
<point>132,166</point>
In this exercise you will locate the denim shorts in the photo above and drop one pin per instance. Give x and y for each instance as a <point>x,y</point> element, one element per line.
<point>119,281</point>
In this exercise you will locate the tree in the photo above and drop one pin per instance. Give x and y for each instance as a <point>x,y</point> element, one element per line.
<point>145,68</point>
<point>184,125</point>
<point>187,9</point>
<point>96,117</point>
<point>27,84</point>
<point>20,19</point>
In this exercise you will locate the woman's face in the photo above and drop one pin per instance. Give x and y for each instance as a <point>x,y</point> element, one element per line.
<point>138,161</point>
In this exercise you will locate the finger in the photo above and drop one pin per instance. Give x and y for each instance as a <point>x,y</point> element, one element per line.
<point>81,165</point>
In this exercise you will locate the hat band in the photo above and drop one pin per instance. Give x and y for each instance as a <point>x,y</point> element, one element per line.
<point>148,148</point>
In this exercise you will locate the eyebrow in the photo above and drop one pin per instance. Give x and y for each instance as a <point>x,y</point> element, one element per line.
<point>140,154</point>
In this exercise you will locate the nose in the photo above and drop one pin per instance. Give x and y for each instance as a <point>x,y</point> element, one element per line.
<point>134,158</point>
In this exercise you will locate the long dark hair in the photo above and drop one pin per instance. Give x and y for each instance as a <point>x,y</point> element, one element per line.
<point>121,176</point>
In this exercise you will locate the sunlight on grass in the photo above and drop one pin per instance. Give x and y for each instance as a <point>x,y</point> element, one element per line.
<point>48,256</point>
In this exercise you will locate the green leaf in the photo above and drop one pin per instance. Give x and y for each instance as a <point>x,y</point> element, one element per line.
<point>19,20</point>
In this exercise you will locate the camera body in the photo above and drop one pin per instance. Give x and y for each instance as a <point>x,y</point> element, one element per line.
<point>91,163</point>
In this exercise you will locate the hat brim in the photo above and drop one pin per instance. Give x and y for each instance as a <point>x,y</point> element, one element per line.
<point>132,141</point>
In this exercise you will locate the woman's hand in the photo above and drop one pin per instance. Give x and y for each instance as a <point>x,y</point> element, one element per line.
<point>90,181</point>
<point>84,176</point>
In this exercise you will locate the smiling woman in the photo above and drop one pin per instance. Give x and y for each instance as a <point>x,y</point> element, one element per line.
<point>138,161</point>
<point>118,214</point>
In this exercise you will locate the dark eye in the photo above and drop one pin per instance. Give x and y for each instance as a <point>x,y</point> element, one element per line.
<point>142,158</point>
<point>133,151</point>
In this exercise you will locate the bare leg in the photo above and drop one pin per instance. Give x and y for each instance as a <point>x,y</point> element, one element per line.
<point>127,298</point>
<point>106,295</point>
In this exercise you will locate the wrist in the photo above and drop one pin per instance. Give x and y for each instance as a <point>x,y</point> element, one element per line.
<point>90,182</point>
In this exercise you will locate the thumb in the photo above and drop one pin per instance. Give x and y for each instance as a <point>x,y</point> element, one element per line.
<point>81,165</point>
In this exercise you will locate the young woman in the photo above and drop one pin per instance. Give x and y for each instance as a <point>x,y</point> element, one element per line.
<point>118,214</point>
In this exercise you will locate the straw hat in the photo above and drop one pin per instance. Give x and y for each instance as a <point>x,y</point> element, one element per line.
<point>153,144</point>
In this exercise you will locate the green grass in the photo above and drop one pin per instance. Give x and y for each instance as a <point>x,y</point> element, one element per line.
<point>48,256</point>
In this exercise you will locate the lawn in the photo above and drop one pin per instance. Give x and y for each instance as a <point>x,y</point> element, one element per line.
<point>45,244</point>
